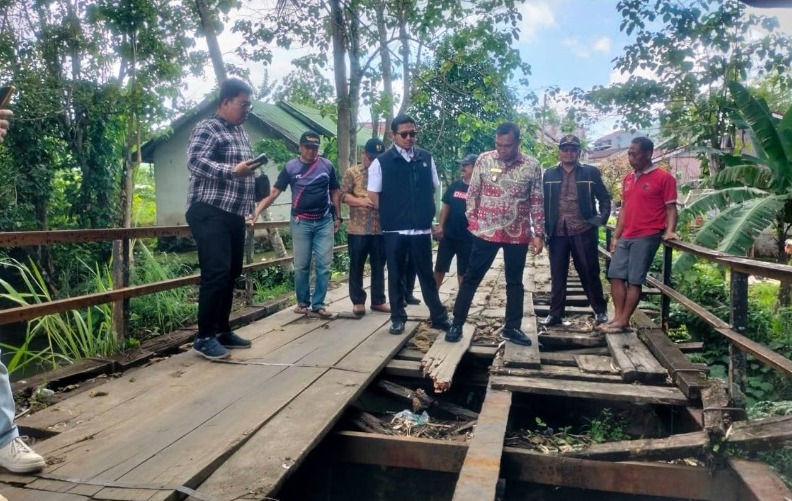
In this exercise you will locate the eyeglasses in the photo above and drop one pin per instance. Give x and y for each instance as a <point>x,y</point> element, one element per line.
<point>569,149</point>
<point>245,105</point>
<point>405,135</point>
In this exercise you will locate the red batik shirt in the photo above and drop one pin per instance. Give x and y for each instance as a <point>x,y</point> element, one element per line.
<point>505,203</point>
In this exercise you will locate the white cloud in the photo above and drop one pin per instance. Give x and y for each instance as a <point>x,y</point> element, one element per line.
<point>602,45</point>
<point>536,15</point>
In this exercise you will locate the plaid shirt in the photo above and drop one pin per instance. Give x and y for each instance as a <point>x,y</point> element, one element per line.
<point>505,203</point>
<point>362,220</point>
<point>215,147</point>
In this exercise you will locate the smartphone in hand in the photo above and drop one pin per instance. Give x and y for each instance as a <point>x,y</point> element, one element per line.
<point>6,92</point>
<point>259,161</point>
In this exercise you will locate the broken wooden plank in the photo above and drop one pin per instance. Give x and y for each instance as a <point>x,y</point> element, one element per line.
<point>563,339</point>
<point>596,364</point>
<point>599,391</point>
<point>688,378</point>
<point>690,346</point>
<point>408,395</point>
<point>519,465</point>
<point>480,471</point>
<point>758,481</point>
<point>749,436</point>
<point>715,409</point>
<point>567,357</point>
<point>441,361</point>
<point>557,372</point>
<point>516,355</point>
<point>404,368</point>
<point>634,360</point>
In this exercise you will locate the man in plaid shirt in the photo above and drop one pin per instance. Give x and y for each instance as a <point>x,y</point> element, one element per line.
<point>505,209</point>
<point>220,196</point>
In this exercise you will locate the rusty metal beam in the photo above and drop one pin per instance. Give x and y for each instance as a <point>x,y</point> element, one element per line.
<point>30,238</point>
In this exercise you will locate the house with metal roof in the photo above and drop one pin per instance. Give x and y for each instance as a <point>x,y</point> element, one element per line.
<point>282,121</point>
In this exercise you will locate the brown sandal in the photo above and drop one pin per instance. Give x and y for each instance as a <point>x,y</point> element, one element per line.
<point>323,313</point>
<point>301,310</point>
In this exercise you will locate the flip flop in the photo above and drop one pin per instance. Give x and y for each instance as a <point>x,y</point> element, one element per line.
<point>301,310</point>
<point>322,313</point>
<point>616,329</point>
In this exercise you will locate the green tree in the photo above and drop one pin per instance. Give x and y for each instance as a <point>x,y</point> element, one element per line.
<point>754,190</point>
<point>691,49</point>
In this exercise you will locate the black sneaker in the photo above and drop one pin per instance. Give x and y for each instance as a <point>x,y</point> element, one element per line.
<point>232,341</point>
<point>210,347</point>
<point>516,336</point>
<point>443,325</point>
<point>412,300</point>
<point>454,334</point>
<point>397,327</point>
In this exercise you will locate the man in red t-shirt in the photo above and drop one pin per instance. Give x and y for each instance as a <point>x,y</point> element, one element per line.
<point>648,215</point>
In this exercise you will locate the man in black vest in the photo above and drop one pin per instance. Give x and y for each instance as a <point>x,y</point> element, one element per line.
<point>402,182</point>
<point>576,204</point>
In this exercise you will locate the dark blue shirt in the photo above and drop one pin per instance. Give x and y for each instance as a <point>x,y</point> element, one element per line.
<point>310,186</point>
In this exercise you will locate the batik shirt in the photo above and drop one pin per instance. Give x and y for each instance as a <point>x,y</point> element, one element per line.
<point>362,220</point>
<point>505,202</point>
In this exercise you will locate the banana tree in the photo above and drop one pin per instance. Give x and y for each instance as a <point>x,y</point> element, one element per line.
<point>754,190</point>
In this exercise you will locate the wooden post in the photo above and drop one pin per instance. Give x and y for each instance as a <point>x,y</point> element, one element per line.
<point>608,236</point>
<point>250,242</point>
<point>121,280</point>
<point>665,301</point>
<point>738,320</point>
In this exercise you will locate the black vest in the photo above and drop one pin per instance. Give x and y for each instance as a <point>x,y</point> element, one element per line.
<point>407,198</point>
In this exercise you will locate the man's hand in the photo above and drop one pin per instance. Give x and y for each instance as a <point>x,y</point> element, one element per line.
<point>336,225</point>
<point>437,232</point>
<point>670,235</point>
<point>4,116</point>
<point>537,245</point>
<point>245,168</point>
<point>252,218</point>
<point>612,247</point>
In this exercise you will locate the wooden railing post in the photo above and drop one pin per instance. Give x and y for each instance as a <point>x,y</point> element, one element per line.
<point>121,253</point>
<point>608,236</point>
<point>739,322</point>
<point>665,301</point>
<point>250,243</point>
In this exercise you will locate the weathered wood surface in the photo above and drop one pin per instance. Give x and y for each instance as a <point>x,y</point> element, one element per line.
<point>519,465</point>
<point>750,436</point>
<point>758,481</point>
<point>715,403</point>
<point>596,364</point>
<point>556,338</point>
<point>480,471</point>
<point>599,391</point>
<point>408,395</point>
<point>515,355</point>
<point>633,358</point>
<point>441,361</point>
<point>558,372</point>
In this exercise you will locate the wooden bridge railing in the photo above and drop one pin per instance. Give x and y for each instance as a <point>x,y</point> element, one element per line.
<point>734,331</point>
<point>121,293</point>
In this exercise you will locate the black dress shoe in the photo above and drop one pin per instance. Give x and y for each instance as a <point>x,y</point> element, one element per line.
<point>397,327</point>
<point>443,325</point>
<point>516,336</point>
<point>412,300</point>
<point>551,320</point>
<point>600,318</point>
<point>454,334</point>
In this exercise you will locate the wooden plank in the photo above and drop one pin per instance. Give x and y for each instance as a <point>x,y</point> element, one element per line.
<point>404,368</point>
<point>13,493</point>
<point>758,481</point>
<point>596,364</point>
<point>256,469</point>
<point>634,360</point>
<point>715,412</point>
<point>410,354</point>
<point>515,355</point>
<point>598,391</point>
<point>562,339</point>
<point>407,395</point>
<point>687,377</point>
<point>648,479</point>
<point>691,346</point>
<point>565,358</point>
<point>480,471</point>
<point>557,372</point>
<point>441,361</point>
<point>749,436</point>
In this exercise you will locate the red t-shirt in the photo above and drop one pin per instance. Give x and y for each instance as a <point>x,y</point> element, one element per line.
<point>644,202</point>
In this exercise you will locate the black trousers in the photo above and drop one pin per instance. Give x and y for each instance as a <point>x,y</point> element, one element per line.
<point>482,255</point>
<point>408,277</point>
<point>419,249</point>
<point>583,250</point>
<point>362,247</point>
<point>220,238</point>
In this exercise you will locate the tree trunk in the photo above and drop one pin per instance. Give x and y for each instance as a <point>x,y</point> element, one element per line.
<point>785,288</point>
<point>387,72</point>
<point>404,40</point>
<point>342,92</point>
<point>355,79</point>
<point>207,24</point>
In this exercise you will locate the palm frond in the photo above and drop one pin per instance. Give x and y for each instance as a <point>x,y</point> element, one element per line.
<point>745,174</point>
<point>719,200</point>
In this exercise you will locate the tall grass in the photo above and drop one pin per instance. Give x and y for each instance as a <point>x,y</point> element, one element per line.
<point>70,335</point>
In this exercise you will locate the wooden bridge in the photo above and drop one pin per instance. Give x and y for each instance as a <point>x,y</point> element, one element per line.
<point>303,415</point>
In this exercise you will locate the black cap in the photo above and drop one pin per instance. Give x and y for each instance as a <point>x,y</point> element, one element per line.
<point>569,140</point>
<point>374,147</point>
<point>309,138</point>
<point>468,160</point>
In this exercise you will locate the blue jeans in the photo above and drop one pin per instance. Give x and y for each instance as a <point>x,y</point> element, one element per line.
<point>312,238</point>
<point>8,430</point>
